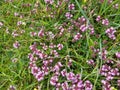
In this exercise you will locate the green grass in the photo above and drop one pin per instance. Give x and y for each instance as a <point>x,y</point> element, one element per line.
<point>18,73</point>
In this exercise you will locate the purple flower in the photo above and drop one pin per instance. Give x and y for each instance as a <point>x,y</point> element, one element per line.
<point>70,76</point>
<point>105,68</point>
<point>83,28</point>
<point>45,69</point>
<point>82,20</point>
<point>63,72</point>
<point>35,70</point>
<point>91,62</point>
<point>80,84</point>
<point>53,80</point>
<point>105,22</point>
<point>77,37</point>
<point>98,18</point>
<point>40,76</point>
<point>103,54</point>
<point>57,66</point>
<point>65,86</point>
<point>55,53</point>
<point>110,32</point>
<point>41,33</point>
<point>68,15</point>
<point>58,86</point>
<point>71,6</point>
<point>60,46</point>
<point>88,85</point>
<point>106,85</point>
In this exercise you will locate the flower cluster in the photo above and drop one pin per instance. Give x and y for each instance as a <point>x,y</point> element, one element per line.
<point>71,6</point>
<point>49,1</point>
<point>109,73</point>
<point>105,22</point>
<point>75,80</point>
<point>56,47</point>
<point>68,15</point>
<point>111,33</point>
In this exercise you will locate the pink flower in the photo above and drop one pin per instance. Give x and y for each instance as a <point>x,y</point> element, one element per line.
<point>35,70</point>
<point>114,72</point>
<point>72,77</point>
<point>49,1</point>
<point>33,34</point>
<point>71,6</point>
<point>16,14</point>
<point>16,44</point>
<point>91,62</point>
<point>19,23</point>
<point>118,55</point>
<point>33,47</point>
<point>57,66</point>
<point>60,46</point>
<point>51,35</point>
<point>41,33</point>
<point>110,33</point>
<point>68,15</point>
<point>52,45</point>
<point>15,34</point>
<point>55,53</point>
<point>31,64</point>
<point>83,28</point>
<point>40,76</point>
<point>45,69</point>
<point>63,72</point>
<point>65,86</point>
<point>82,20</point>
<point>77,37</point>
<point>105,22</point>
<point>88,85</point>
<point>80,84</point>
<point>98,18</point>
<point>105,68</point>
<point>42,55</point>
<point>106,85</point>
<point>58,86</point>
<point>53,80</point>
